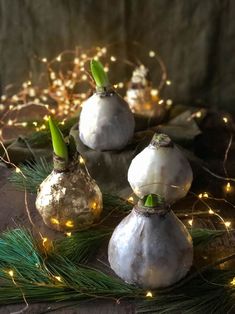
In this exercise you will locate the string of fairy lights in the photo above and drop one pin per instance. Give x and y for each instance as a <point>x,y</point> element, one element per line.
<point>68,84</point>
<point>63,86</point>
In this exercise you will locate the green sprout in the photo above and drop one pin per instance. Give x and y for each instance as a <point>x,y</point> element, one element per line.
<point>98,73</point>
<point>58,142</point>
<point>152,200</point>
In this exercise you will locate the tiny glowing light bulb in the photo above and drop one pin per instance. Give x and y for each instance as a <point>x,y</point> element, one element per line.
<point>205,195</point>
<point>154,92</point>
<point>190,222</point>
<point>46,118</point>
<point>84,77</point>
<point>106,69</point>
<point>227,223</point>
<point>168,82</point>
<point>120,85</point>
<point>76,61</point>
<point>152,54</point>
<point>81,160</point>
<point>161,101</point>
<point>10,122</point>
<point>44,240</point>
<point>211,211</point>
<point>11,273</point>
<point>169,102</point>
<point>225,119</point>
<point>149,294</point>
<point>228,187</point>
<point>58,58</point>
<point>44,60</point>
<point>130,199</point>
<point>233,282</point>
<point>69,224</point>
<point>55,221</point>
<point>58,278</point>
<point>104,50</point>
<point>198,114</point>
<point>68,234</point>
<point>113,59</point>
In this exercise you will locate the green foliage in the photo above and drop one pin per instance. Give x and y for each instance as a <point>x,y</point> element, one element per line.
<point>82,246</point>
<point>43,138</point>
<point>98,73</point>
<point>36,271</point>
<point>34,173</point>
<point>49,275</point>
<point>203,237</point>
<point>58,142</point>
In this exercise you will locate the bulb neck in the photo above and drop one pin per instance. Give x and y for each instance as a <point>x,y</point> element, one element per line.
<point>104,91</point>
<point>161,209</point>
<point>60,164</point>
<point>161,140</point>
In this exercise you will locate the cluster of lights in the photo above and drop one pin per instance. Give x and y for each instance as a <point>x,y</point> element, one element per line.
<point>68,85</point>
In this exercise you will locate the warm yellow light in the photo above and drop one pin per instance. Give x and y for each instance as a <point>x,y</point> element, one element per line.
<point>113,59</point>
<point>55,221</point>
<point>130,199</point>
<point>211,211</point>
<point>225,119</point>
<point>68,234</point>
<point>18,170</point>
<point>228,187</point>
<point>190,222</point>
<point>15,98</point>
<point>43,127</point>
<point>44,60</point>
<point>83,56</point>
<point>58,58</point>
<point>10,122</point>
<point>53,75</point>
<point>58,278</point>
<point>120,85</point>
<point>46,118</point>
<point>161,101</point>
<point>168,82</point>
<point>84,77</point>
<point>11,273</point>
<point>152,54</point>
<point>25,85</point>
<point>3,97</point>
<point>227,223</point>
<point>233,282</point>
<point>76,61</point>
<point>154,92</point>
<point>198,114</point>
<point>169,102</point>
<point>104,50</point>
<point>149,294</point>
<point>81,160</point>
<point>106,69</point>
<point>69,224</point>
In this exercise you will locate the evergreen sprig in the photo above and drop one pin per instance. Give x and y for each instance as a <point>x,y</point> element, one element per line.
<point>42,275</point>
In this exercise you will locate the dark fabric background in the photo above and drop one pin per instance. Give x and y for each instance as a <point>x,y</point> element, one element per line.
<point>196,39</point>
